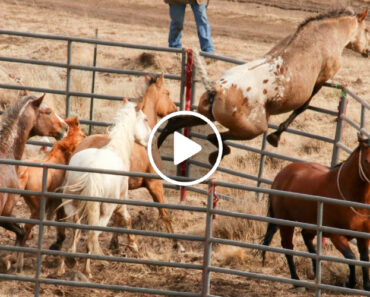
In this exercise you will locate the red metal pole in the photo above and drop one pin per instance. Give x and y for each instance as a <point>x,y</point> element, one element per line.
<point>188,86</point>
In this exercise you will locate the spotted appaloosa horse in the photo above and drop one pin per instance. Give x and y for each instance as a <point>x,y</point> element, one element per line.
<point>22,120</point>
<point>347,181</point>
<point>285,79</point>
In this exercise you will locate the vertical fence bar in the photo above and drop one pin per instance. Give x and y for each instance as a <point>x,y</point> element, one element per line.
<point>339,128</point>
<point>68,83</point>
<point>320,213</point>
<point>206,279</point>
<point>93,83</point>
<point>362,119</point>
<point>41,232</point>
<point>183,79</point>
<point>262,162</point>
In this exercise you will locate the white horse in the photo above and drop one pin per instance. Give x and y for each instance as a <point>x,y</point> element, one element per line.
<point>130,125</point>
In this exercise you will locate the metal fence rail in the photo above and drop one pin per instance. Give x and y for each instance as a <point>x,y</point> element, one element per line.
<point>209,210</point>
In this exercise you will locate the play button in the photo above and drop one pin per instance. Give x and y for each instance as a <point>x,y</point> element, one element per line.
<point>183,148</point>
<point>184,155</point>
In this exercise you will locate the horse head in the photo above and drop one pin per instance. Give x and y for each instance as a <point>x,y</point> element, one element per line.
<point>364,158</point>
<point>75,134</point>
<point>142,128</point>
<point>361,38</point>
<point>45,121</point>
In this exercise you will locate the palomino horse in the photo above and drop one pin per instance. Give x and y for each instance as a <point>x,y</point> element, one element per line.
<point>156,102</point>
<point>130,125</point>
<point>284,79</point>
<point>30,178</point>
<point>22,120</point>
<point>348,181</point>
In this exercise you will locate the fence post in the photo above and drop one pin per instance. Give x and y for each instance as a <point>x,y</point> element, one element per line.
<point>206,280</point>
<point>41,232</point>
<point>320,213</point>
<point>339,129</point>
<point>188,85</point>
<point>68,83</point>
<point>93,83</point>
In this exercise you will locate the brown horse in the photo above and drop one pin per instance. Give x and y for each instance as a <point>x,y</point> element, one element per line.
<point>30,178</point>
<point>156,102</point>
<point>22,120</point>
<point>284,79</point>
<point>348,181</point>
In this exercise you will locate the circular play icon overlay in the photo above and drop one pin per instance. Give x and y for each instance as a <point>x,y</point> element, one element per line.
<point>180,148</point>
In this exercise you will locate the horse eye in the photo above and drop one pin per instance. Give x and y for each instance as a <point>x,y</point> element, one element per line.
<point>48,113</point>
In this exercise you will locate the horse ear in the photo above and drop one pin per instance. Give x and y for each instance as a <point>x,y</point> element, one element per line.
<point>72,121</point>
<point>159,81</point>
<point>125,100</point>
<point>362,15</point>
<point>37,102</point>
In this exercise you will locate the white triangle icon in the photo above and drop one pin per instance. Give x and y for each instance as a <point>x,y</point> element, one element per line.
<point>183,148</point>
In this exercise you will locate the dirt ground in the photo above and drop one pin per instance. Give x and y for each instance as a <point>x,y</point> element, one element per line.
<point>240,29</point>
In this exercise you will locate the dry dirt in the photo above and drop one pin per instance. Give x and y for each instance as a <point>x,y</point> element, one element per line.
<point>242,30</point>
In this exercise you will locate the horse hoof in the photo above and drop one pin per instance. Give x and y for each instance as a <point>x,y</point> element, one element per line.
<point>55,247</point>
<point>212,158</point>
<point>134,247</point>
<point>70,262</point>
<point>273,139</point>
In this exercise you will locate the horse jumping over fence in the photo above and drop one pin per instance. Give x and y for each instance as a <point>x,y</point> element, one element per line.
<point>22,120</point>
<point>156,102</point>
<point>285,79</point>
<point>30,178</point>
<point>130,125</point>
<point>347,181</point>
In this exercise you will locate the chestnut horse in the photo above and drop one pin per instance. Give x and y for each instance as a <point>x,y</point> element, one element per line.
<point>156,102</point>
<point>283,80</point>
<point>22,120</point>
<point>347,181</point>
<point>30,178</point>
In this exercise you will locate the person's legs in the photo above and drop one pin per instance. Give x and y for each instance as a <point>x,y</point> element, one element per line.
<point>204,30</point>
<point>177,13</point>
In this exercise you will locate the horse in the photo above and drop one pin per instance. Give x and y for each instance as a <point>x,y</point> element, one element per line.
<point>24,119</point>
<point>156,102</point>
<point>284,79</point>
<point>30,178</point>
<point>348,181</point>
<point>130,125</point>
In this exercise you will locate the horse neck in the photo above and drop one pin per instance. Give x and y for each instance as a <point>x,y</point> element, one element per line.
<point>350,182</point>
<point>150,109</point>
<point>59,154</point>
<point>23,130</point>
<point>122,139</point>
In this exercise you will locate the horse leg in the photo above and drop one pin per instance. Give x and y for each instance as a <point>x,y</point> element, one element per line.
<point>177,123</point>
<point>286,234</point>
<point>71,262</point>
<point>124,219</point>
<point>274,138</point>
<point>61,233</point>
<point>308,238</point>
<point>341,243</point>
<point>363,249</point>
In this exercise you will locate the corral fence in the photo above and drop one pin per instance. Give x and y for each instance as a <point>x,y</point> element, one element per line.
<point>187,83</point>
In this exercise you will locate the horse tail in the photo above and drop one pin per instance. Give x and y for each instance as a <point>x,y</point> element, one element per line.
<point>83,185</point>
<point>270,232</point>
<point>203,72</point>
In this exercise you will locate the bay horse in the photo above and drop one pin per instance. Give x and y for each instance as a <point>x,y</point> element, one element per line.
<point>284,79</point>
<point>130,125</point>
<point>30,178</point>
<point>24,119</point>
<point>348,181</point>
<point>155,103</point>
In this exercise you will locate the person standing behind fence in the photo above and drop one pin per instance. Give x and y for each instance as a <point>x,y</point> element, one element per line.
<point>177,14</point>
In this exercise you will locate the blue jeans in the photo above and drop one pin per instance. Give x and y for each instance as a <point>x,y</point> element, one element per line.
<point>177,13</point>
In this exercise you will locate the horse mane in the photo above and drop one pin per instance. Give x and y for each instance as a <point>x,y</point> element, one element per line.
<point>9,121</point>
<point>340,164</point>
<point>323,16</point>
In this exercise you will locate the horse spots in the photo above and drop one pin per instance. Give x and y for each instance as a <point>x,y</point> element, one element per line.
<point>248,89</point>
<point>265,81</point>
<point>276,88</point>
<point>245,101</point>
<point>223,81</point>
<point>277,66</point>
<point>264,91</point>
